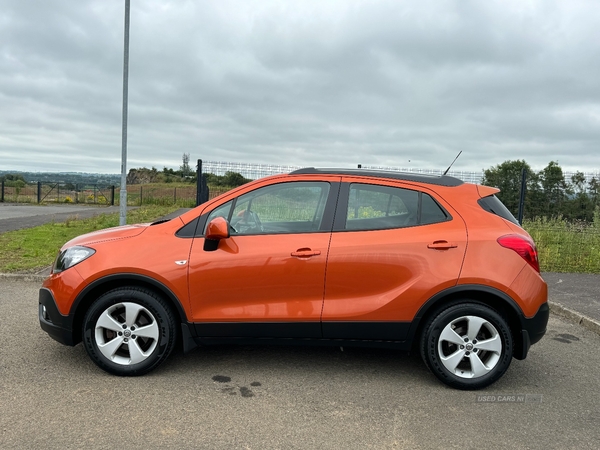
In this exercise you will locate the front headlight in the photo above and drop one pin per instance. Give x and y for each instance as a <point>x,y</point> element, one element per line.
<point>71,256</point>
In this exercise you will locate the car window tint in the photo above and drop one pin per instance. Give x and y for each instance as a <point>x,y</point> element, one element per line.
<point>431,212</point>
<point>282,208</point>
<point>492,204</point>
<point>373,207</point>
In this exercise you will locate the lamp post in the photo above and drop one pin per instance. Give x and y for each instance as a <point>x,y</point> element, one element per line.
<point>123,197</point>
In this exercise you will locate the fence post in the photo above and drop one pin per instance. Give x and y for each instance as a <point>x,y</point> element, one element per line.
<point>112,195</point>
<point>175,196</point>
<point>58,192</point>
<point>2,194</point>
<point>522,197</point>
<point>199,182</point>
<point>201,186</point>
<point>39,192</point>
<point>141,192</point>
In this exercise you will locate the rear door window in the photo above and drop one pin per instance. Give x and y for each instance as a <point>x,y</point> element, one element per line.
<point>375,207</point>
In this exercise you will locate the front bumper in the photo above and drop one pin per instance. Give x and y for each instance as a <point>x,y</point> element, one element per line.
<point>59,327</point>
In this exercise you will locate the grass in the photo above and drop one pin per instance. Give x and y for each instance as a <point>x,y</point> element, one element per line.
<point>566,247</point>
<point>32,249</point>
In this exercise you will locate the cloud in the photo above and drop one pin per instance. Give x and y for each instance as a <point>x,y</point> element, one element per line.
<point>331,83</point>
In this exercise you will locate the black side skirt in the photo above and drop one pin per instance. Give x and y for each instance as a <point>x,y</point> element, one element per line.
<point>358,334</point>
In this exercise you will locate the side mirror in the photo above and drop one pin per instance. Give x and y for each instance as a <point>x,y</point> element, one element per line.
<point>217,229</point>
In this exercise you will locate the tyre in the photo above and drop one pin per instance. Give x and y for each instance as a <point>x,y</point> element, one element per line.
<point>129,331</point>
<point>467,345</point>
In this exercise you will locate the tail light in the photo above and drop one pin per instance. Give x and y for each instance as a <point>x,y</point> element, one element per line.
<point>524,246</point>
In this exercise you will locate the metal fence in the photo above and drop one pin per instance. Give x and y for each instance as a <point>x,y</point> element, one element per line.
<point>247,170</point>
<point>182,196</point>
<point>565,246</point>
<point>94,194</point>
<point>57,192</point>
<point>254,171</point>
<point>62,192</point>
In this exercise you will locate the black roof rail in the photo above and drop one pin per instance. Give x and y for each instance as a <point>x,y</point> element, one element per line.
<point>439,180</point>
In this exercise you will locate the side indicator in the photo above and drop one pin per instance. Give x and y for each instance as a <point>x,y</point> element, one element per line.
<point>181,263</point>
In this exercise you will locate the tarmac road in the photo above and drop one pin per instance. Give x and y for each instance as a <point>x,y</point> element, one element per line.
<point>52,396</point>
<point>15,216</point>
<point>578,291</point>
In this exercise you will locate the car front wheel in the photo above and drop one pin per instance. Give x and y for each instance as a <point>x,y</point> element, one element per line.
<point>467,345</point>
<point>129,331</point>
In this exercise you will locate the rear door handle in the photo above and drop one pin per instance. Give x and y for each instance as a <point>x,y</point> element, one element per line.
<point>305,253</point>
<point>441,245</point>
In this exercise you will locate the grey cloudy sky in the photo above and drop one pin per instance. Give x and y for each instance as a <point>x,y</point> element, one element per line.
<point>324,83</point>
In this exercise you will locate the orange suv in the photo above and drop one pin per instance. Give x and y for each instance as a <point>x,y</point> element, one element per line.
<point>318,256</point>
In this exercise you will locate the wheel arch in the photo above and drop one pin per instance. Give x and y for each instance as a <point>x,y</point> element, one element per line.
<point>494,298</point>
<point>98,287</point>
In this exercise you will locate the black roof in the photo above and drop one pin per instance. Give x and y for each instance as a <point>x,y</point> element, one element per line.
<point>443,180</point>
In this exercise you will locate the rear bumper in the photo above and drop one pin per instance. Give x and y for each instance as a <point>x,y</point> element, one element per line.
<point>536,326</point>
<point>59,327</point>
<point>532,330</point>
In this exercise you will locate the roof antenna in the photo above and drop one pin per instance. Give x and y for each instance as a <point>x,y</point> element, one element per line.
<point>452,163</point>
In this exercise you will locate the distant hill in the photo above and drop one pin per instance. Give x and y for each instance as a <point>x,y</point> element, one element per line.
<point>67,177</point>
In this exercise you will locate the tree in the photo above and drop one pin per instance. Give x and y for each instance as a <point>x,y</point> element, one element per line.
<point>230,179</point>
<point>10,179</point>
<point>234,179</point>
<point>594,191</point>
<point>579,207</point>
<point>555,189</point>
<point>578,182</point>
<point>507,178</point>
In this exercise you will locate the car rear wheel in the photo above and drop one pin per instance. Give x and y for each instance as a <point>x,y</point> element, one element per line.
<point>129,331</point>
<point>467,345</point>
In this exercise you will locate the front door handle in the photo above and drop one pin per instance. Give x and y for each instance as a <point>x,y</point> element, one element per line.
<point>305,253</point>
<point>441,245</point>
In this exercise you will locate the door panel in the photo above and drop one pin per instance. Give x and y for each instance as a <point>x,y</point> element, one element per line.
<point>268,278</point>
<point>388,274</point>
<point>385,275</point>
<point>256,279</point>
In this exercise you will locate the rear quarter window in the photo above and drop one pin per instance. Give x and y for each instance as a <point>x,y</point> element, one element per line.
<point>492,204</point>
<point>431,212</point>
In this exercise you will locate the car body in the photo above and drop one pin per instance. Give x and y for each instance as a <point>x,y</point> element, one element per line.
<point>318,256</point>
